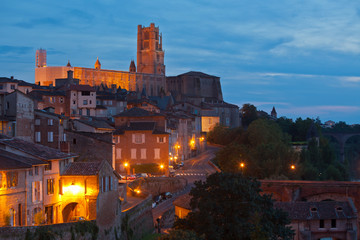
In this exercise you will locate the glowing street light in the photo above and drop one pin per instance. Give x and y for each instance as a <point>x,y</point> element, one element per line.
<point>292,167</point>
<point>138,191</point>
<point>242,165</point>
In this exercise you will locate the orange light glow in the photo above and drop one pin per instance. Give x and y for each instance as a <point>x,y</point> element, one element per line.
<point>202,139</point>
<point>292,167</point>
<point>126,164</point>
<point>73,189</point>
<point>161,166</point>
<point>242,165</point>
<point>137,191</point>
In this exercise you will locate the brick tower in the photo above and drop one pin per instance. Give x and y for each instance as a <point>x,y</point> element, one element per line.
<point>150,56</point>
<point>40,59</point>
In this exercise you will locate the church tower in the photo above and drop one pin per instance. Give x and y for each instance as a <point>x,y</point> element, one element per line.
<point>150,55</point>
<point>40,58</point>
<point>97,64</point>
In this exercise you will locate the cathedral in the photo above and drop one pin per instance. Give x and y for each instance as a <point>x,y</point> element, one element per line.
<point>148,76</point>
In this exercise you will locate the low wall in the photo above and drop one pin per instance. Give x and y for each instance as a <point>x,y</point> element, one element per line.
<point>155,186</point>
<point>138,221</point>
<point>63,231</point>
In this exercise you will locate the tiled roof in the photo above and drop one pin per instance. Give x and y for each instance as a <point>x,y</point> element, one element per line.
<point>140,126</point>
<point>82,88</point>
<point>82,168</point>
<point>183,201</point>
<point>10,160</point>
<point>7,80</point>
<point>159,132</point>
<point>137,112</point>
<point>104,137</point>
<point>36,150</point>
<point>96,123</point>
<point>317,210</point>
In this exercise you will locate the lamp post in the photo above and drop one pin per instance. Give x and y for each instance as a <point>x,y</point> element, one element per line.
<point>161,167</point>
<point>242,166</point>
<point>126,165</point>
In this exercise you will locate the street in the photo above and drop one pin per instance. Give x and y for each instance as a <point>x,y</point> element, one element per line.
<point>194,169</point>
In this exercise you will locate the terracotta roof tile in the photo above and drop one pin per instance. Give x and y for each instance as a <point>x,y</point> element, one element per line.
<point>82,168</point>
<point>36,150</point>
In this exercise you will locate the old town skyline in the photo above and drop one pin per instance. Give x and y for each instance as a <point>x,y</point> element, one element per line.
<point>301,59</point>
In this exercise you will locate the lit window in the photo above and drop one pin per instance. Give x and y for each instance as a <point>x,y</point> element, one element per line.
<point>50,186</point>
<point>138,138</point>
<point>50,122</point>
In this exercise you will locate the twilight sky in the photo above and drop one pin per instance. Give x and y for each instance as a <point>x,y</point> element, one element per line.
<point>303,57</point>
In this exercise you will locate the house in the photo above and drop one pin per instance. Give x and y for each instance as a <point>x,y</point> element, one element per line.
<point>21,196</point>
<point>89,189</point>
<point>50,130</point>
<point>56,162</point>
<point>322,220</point>
<point>91,125</point>
<point>182,206</point>
<point>143,146</point>
<point>19,115</point>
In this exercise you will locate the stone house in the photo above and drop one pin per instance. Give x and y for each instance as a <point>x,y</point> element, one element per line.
<point>50,130</point>
<point>55,160</point>
<point>89,189</point>
<point>322,220</point>
<point>21,194</point>
<point>19,113</point>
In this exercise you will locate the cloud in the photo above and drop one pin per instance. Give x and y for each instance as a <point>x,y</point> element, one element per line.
<point>35,22</point>
<point>14,50</point>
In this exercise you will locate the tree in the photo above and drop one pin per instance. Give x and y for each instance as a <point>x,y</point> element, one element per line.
<point>179,234</point>
<point>229,206</point>
<point>248,113</point>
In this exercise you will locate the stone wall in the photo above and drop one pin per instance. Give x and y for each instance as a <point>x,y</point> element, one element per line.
<point>155,186</point>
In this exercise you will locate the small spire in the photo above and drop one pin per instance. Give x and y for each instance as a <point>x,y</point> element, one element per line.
<point>97,64</point>
<point>68,64</point>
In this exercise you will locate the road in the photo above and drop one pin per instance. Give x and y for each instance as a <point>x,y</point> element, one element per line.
<point>194,169</point>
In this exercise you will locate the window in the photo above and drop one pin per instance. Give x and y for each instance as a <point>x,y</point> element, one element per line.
<point>48,166</point>
<point>30,173</point>
<point>85,102</point>
<point>1,87</point>
<point>74,102</point>
<point>80,111</point>
<point>157,153</point>
<point>143,153</point>
<point>118,153</point>
<point>36,170</point>
<point>12,86</point>
<point>37,137</point>
<point>60,187</point>
<point>117,139</point>
<point>333,223</point>
<point>50,122</point>
<point>133,153</point>
<point>50,137</point>
<point>74,141</point>
<point>36,191</point>
<point>37,122</point>
<point>61,100</point>
<point>322,224</point>
<point>50,186</point>
<point>161,139</point>
<point>64,137</point>
<point>88,112</point>
<point>85,93</point>
<point>138,138</point>
<point>11,179</point>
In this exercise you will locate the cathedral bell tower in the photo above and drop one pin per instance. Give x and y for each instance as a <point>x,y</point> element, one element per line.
<point>150,55</point>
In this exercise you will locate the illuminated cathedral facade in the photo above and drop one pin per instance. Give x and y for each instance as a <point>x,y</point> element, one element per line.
<point>149,73</point>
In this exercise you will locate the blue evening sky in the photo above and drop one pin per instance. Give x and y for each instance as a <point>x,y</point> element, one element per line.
<point>303,57</point>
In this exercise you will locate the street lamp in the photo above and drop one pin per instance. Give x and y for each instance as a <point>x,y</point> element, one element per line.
<point>126,165</point>
<point>161,168</point>
<point>292,167</point>
<point>242,166</point>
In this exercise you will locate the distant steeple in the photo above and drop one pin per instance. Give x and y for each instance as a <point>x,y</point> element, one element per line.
<point>273,113</point>
<point>132,67</point>
<point>68,64</point>
<point>97,64</point>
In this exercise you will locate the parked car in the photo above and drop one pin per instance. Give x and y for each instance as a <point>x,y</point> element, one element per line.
<point>157,199</point>
<point>138,175</point>
<point>166,195</point>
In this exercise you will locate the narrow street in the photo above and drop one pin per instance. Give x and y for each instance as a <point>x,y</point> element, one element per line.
<point>194,169</point>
